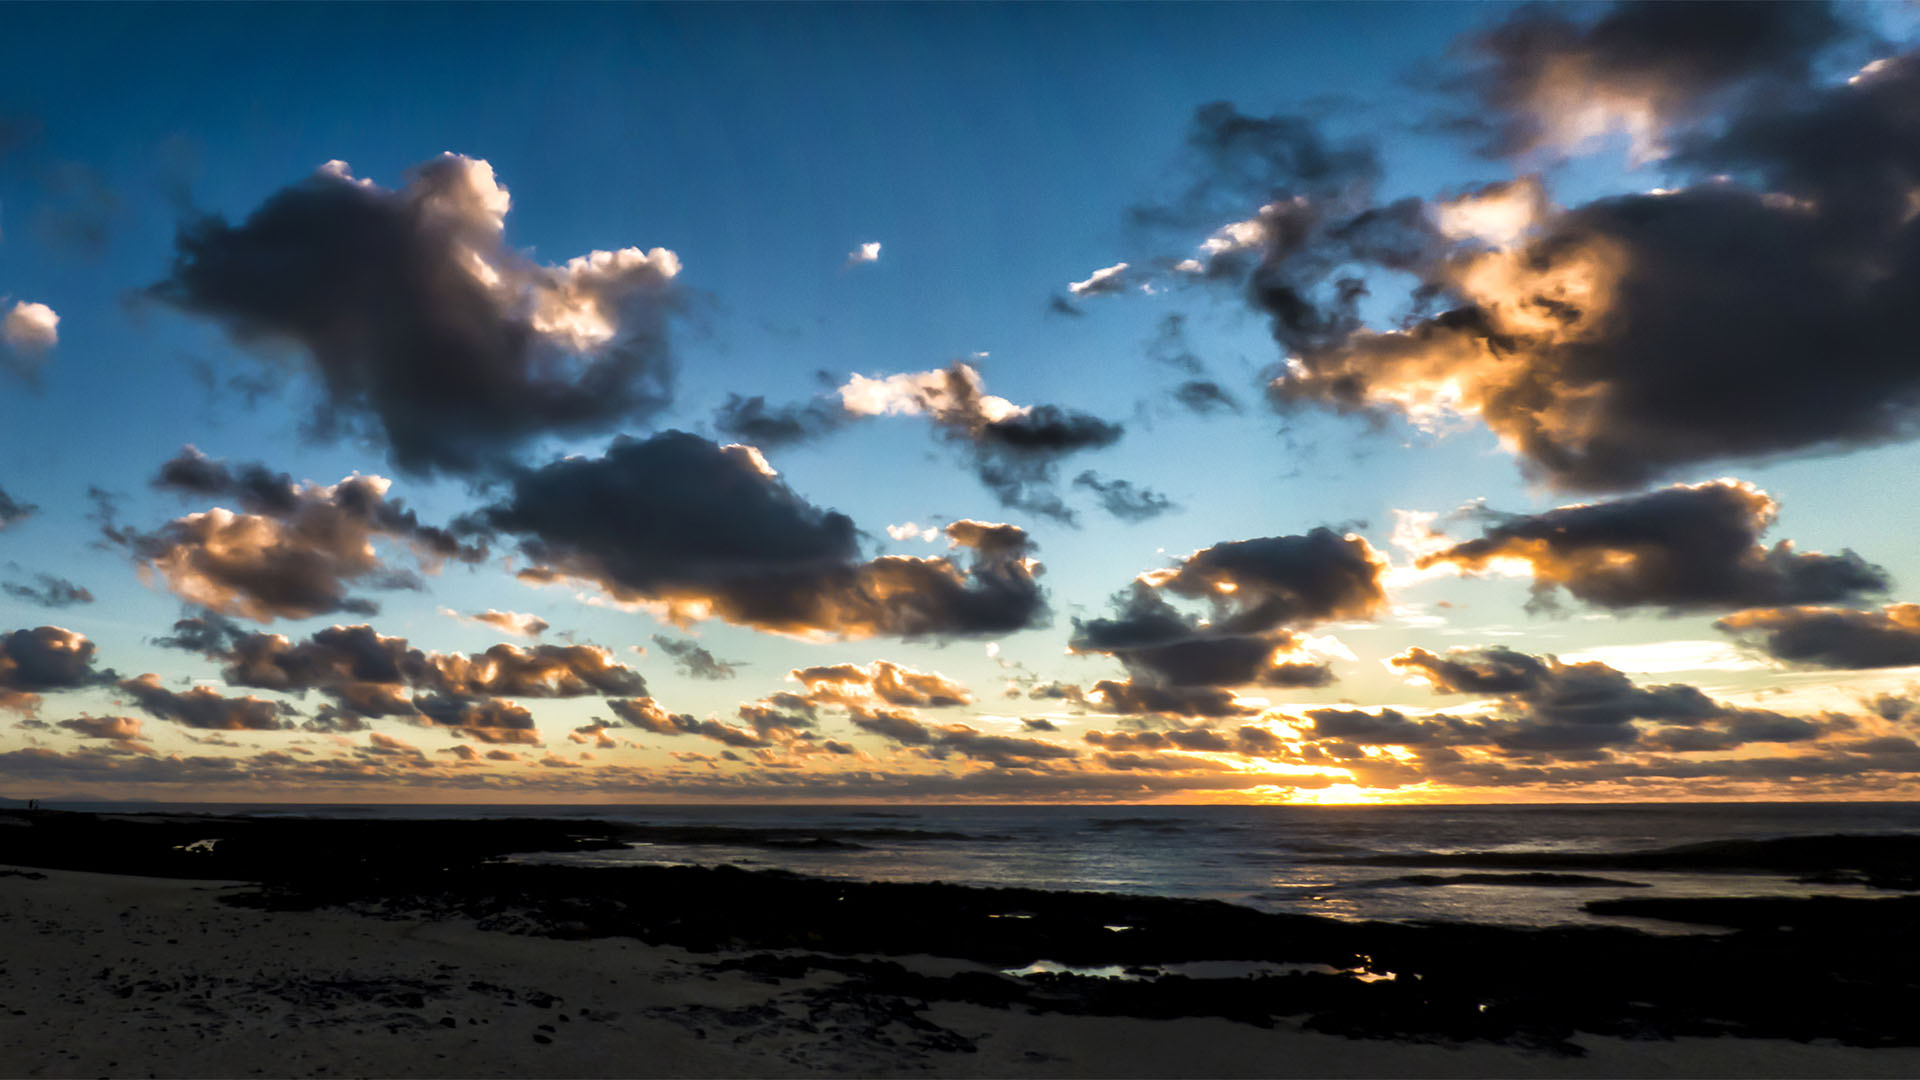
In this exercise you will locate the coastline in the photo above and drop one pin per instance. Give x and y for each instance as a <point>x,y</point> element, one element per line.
<point>303,949</point>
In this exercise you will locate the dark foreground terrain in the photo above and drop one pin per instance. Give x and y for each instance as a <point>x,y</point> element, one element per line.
<point>1840,969</point>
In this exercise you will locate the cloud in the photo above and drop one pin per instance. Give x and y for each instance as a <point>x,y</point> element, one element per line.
<point>42,660</point>
<point>1109,279</point>
<point>695,530</point>
<point>1123,499</point>
<point>1832,637</point>
<point>750,420</point>
<point>421,325</point>
<point>1257,591</point>
<point>647,715</point>
<point>1543,80</point>
<point>1556,709</point>
<point>490,721</point>
<point>29,331</point>
<point>294,550</point>
<point>1687,547</point>
<point>1003,751</point>
<point>120,729</point>
<point>1204,396</point>
<point>52,592</point>
<point>692,660</point>
<point>12,511</point>
<point>370,675</point>
<point>892,683</point>
<point>203,709</point>
<point>1758,308</point>
<point>868,252</point>
<point>1014,448</point>
<point>519,624</point>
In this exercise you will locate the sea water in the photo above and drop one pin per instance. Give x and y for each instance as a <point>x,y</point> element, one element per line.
<point>1294,859</point>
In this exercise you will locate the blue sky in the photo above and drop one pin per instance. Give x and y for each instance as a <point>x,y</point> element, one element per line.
<point>996,154</point>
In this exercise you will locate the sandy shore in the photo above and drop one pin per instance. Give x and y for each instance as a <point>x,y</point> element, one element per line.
<point>107,975</point>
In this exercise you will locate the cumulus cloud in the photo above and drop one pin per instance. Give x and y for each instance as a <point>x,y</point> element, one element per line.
<point>1757,308</point>
<point>293,551</point>
<point>868,252</point>
<point>1832,637</point>
<point>694,661</point>
<point>29,331</point>
<point>203,708</point>
<point>422,325</point>
<point>42,660</point>
<point>51,592</point>
<point>1686,547</point>
<point>120,729</point>
<point>1551,708</point>
<point>367,675</point>
<point>492,720</point>
<point>1256,592</point>
<point>693,530</point>
<point>892,683</point>
<point>647,715</point>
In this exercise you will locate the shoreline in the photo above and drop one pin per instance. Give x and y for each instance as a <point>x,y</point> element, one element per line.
<point>810,971</point>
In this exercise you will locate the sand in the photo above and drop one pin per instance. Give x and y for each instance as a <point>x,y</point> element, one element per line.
<point>107,975</point>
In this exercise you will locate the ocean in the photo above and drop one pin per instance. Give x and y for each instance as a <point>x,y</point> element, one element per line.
<point>1293,859</point>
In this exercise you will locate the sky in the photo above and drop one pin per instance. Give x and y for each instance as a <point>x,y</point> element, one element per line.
<point>946,403</point>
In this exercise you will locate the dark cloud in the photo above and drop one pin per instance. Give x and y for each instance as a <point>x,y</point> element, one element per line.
<point>202,708</point>
<point>900,726</point>
<point>1681,548</point>
<point>418,321</point>
<point>120,729</point>
<point>1255,592</point>
<point>1123,499</point>
<point>694,661</point>
<point>1548,78</point>
<point>489,721</point>
<point>42,660</point>
<point>12,511</point>
<point>751,420</point>
<point>52,592</point>
<point>698,530</point>
<point>1832,637</point>
<point>1205,396</point>
<point>1135,697</point>
<point>1557,709</point>
<point>1762,307</point>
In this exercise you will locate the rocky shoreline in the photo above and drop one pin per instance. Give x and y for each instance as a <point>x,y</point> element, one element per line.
<point>1823,968</point>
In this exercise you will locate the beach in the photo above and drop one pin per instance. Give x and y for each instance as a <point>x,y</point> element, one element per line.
<point>307,949</point>
<point>109,975</point>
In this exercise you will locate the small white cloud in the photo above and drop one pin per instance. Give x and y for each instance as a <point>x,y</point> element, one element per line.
<point>31,328</point>
<point>1103,280</point>
<point>910,531</point>
<point>865,253</point>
